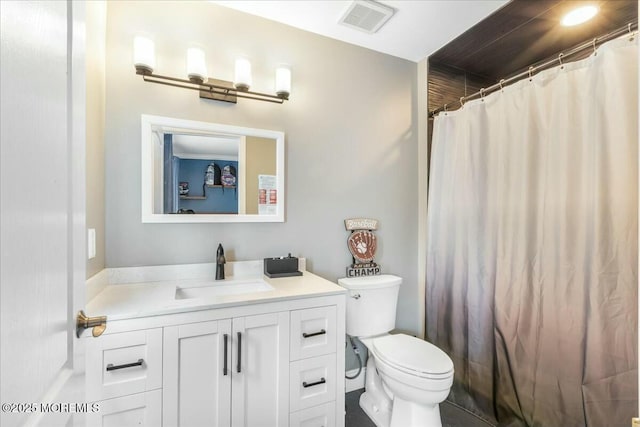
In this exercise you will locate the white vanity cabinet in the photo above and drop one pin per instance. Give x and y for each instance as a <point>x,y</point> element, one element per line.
<point>268,364</point>
<point>197,375</point>
<point>260,379</point>
<point>314,380</point>
<point>124,376</point>
<point>227,372</point>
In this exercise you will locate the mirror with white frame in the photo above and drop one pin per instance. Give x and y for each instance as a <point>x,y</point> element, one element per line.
<point>208,172</point>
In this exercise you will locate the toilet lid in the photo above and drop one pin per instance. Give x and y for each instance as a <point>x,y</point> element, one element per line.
<point>413,355</point>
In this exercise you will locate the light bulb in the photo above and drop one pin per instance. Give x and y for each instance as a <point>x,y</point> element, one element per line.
<point>242,79</point>
<point>283,81</point>
<point>144,58</point>
<point>196,65</point>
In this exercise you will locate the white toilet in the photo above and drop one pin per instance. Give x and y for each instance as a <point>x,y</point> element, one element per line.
<point>406,377</point>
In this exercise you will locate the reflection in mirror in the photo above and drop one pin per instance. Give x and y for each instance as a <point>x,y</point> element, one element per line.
<point>207,172</point>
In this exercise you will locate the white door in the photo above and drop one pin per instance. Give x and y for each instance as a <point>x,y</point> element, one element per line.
<point>260,381</point>
<point>42,267</point>
<point>197,374</point>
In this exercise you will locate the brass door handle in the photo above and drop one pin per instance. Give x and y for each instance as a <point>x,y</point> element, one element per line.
<point>98,323</point>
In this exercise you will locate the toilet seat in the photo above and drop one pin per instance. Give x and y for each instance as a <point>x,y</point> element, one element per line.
<point>413,356</point>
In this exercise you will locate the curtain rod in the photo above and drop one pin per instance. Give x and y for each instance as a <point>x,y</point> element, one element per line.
<point>593,44</point>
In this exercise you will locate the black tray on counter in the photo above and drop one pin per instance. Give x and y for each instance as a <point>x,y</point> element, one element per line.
<point>281,267</point>
<point>289,274</point>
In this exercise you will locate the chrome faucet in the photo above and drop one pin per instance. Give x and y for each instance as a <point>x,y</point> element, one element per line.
<point>220,262</point>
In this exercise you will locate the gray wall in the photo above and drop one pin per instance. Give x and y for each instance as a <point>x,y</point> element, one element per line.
<point>96,16</point>
<point>351,142</point>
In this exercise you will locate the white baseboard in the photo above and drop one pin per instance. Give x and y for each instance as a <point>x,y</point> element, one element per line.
<point>356,383</point>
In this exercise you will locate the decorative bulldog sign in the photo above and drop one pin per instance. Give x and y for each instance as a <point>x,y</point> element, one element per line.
<point>362,243</point>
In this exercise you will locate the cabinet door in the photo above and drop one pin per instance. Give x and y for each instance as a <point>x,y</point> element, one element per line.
<point>260,389</point>
<point>313,382</point>
<point>197,387</point>
<point>313,332</point>
<point>317,416</point>
<point>124,363</point>
<point>142,409</point>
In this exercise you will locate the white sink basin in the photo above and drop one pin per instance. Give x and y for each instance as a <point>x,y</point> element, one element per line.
<point>222,288</point>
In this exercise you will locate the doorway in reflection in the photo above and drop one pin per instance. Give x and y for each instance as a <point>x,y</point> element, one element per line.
<point>205,174</point>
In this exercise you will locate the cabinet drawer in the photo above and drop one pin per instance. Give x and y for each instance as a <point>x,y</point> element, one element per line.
<point>142,409</point>
<point>313,332</point>
<point>318,416</point>
<point>312,382</point>
<point>122,364</point>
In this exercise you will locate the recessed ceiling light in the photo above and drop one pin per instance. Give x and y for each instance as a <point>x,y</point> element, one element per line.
<point>579,15</point>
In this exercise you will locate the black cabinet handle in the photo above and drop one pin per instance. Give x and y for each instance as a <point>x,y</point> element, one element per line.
<point>112,367</point>
<point>239,351</point>
<point>224,368</point>
<point>321,332</point>
<point>305,384</point>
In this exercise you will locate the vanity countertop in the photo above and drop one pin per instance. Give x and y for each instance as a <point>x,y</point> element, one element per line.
<point>158,297</point>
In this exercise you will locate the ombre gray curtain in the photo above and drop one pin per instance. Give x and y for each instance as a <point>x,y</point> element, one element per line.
<point>533,246</point>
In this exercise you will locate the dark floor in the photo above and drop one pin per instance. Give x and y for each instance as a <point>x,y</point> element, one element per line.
<point>452,416</point>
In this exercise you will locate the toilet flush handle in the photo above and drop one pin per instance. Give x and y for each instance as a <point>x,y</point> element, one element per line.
<point>355,296</point>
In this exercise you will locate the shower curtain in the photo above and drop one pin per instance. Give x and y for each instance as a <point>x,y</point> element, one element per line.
<point>532,249</point>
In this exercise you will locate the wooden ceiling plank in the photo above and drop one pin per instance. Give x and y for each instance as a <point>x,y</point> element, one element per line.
<point>525,32</point>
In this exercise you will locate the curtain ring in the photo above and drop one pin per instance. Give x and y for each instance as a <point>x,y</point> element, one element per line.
<point>445,107</point>
<point>595,51</point>
<point>560,59</point>
<point>531,73</point>
<point>461,101</point>
<point>501,83</point>
<point>482,94</point>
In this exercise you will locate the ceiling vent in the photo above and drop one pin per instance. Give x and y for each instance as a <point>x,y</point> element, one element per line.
<point>367,15</point>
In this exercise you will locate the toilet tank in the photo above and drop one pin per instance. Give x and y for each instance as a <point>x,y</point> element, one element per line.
<point>371,304</point>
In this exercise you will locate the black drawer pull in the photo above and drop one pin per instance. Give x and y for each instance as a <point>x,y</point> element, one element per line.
<point>239,352</point>
<point>306,335</point>
<point>111,367</point>
<point>305,384</point>
<point>224,369</point>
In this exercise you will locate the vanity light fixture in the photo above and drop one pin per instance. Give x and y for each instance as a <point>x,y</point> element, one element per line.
<point>196,66</point>
<point>242,80</point>
<point>209,88</point>
<point>579,15</point>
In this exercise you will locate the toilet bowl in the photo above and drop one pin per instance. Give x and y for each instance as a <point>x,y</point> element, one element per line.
<point>406,377</point>
<point>417,374</point>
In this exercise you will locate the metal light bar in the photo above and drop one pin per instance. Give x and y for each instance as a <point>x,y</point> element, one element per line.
<point>219,90</point>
